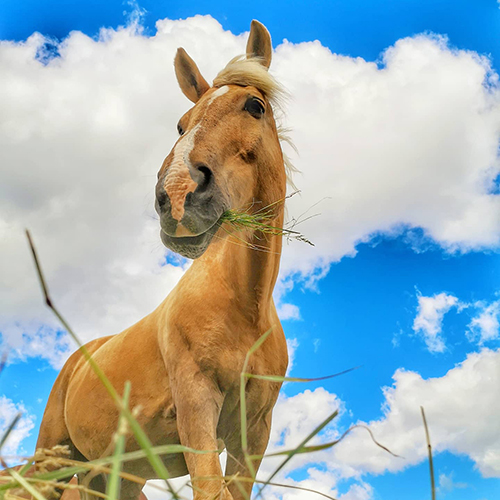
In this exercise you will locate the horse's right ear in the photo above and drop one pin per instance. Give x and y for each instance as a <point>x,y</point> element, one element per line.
<point>192,84</point>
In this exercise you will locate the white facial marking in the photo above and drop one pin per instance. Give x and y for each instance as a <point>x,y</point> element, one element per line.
<point>178,181</point>
<point>220,91</point>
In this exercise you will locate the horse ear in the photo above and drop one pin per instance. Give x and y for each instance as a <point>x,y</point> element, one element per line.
<point>192,84</point>
<point>259,43</point>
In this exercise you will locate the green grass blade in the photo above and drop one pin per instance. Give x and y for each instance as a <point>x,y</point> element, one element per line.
<point>243,405</point>
<point>257,344</point>
<point>277,378</point>
<point>316,431</point>
<point>28,487</point>
<point>113,487</point>
<point>324,446</point>
<point>25,468</point>
<point>298,451</point>
<point>147,447</point>
<point>429,450</point>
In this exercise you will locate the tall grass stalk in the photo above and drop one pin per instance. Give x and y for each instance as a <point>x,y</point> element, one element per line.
<point>113,487</point>
<point>26,485</point>
<point>429,450</point>
<point>9,429</point>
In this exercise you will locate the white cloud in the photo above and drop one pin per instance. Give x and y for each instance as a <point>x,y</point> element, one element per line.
<point>296,416</point>
<point>413,144</point>
<point>293,419</point>
<point>316,344</point>
<point>292,345</point>
<point>288,311</point>
<point>461,412</point>
<point>446,483</point>
<point>429,320</point>
<point>8,411</point>
<point>485,326</point>
<point>43,342</point>
<point>362,491</point>
<point>317,480</point>
<point>428,323</point>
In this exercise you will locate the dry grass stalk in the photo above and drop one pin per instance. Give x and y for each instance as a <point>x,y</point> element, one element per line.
<point>429,450</point>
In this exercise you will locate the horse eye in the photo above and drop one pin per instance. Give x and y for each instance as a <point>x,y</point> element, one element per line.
<point>180,129</point>
<point>254,107</point>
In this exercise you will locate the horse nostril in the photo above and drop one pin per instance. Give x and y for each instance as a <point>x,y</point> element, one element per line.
<point>205,178</point>
<point>161,198</point>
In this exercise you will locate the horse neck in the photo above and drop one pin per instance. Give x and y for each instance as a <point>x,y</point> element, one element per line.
<point>246,267</point>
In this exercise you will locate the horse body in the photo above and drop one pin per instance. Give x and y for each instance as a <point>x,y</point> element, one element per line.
<point>184,360</point>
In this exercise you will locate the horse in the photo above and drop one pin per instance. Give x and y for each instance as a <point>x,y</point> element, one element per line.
<point>184,360</point>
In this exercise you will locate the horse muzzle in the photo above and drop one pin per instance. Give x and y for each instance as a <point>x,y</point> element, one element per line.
<point>190,210</point>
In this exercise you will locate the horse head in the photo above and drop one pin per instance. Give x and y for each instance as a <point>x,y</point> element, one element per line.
<point>228,155</point>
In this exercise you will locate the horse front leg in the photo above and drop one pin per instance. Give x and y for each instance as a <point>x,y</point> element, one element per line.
<point>198,402</point>
<point>237,466</point>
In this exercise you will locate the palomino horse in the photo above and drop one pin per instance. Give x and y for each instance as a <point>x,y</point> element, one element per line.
<point>185,358</point>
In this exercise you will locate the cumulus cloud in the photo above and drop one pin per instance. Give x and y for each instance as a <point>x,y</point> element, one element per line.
<point>361,491</point>
<point>8,411</point>
<point>316,481</point>
<point>429,320</point>
<point>296,416</point>
<point>412,143</point>
<point>446,483</point>
<point>43,342</point>
<point>461,413</point>
<point>292,345</point>
<point>288,311</point>
<point>485,326</point>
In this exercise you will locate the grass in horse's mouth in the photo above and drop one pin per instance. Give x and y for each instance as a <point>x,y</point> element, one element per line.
<point>261,221</point>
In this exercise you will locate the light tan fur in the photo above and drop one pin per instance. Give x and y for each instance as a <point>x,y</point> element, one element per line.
<point>185,358</point>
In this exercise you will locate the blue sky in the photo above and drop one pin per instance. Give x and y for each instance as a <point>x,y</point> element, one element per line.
<point>357,28</point>
<point>363,311</point>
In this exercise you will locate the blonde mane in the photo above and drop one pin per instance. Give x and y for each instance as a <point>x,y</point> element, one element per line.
<point>249,72</point>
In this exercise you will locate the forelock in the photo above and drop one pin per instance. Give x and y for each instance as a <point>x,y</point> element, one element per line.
<point>249,72</point>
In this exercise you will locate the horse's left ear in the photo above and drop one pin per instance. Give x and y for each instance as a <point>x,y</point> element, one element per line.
<point>259,43</point>
<point>192,84</point>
